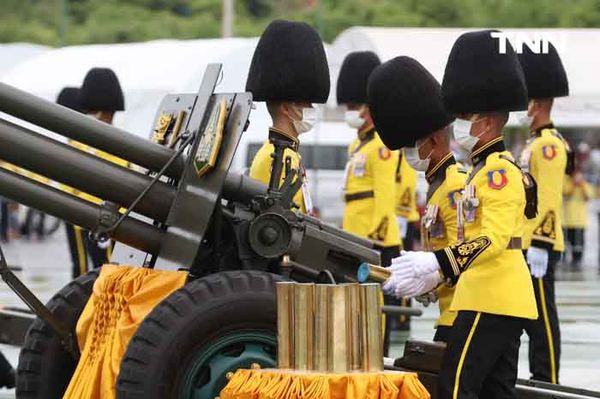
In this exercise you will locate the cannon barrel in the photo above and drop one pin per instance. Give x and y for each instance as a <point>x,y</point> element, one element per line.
<point>106,180</point>
<point>241,188</point>
<point>83,171</point>
<point>132,232</point>
<point>87,130</point>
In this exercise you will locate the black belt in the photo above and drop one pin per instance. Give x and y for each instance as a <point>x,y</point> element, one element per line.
<point>514,243</point>
<point>359,195</point>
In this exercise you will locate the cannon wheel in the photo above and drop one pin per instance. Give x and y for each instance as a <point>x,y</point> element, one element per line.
<point>45,367</point>
<point>186,346</point>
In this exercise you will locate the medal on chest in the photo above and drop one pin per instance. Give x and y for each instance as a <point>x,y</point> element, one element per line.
<point>359,164</point>
<point>308,205</point>
<point>431,226</point>
<point>470,203</point>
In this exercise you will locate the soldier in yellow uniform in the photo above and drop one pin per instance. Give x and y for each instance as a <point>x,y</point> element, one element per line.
<point>100,96</point>
<point>370,193</point>
<point>577,194</point>
<point>407,214</point>
<point>369,189</point>
<point>394,85</point>
<point>289,71</point>
<point>545,157</point>
<point>446,181</point>
<point>70,97</point>
<point>493,294</point>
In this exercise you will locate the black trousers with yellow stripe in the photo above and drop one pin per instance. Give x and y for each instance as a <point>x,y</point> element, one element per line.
<point>80,246</point>
<point>442,334</point>
<point>76,241</point>
<point>544,333</point>
<point>481,357</point>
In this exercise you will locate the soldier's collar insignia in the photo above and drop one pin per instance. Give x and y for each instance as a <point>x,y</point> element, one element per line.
<point>275,133</point>
<point>439,170</point>
<point>480,154</point>
<point>497,179</point>
<point>366,134</point>
<point>538,132</point>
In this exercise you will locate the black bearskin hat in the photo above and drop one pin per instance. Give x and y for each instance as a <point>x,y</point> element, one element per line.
<point>289,64</point>
<point>478,78</point>
<point>354,75</point>
<point>545,75</point>
<point>405,102</point>
<point>70,97</point>
<point>101,91</point>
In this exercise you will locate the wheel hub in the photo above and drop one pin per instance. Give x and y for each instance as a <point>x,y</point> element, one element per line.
<point>207,373</point>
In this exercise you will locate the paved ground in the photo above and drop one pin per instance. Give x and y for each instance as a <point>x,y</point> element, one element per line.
<point>46,269</point>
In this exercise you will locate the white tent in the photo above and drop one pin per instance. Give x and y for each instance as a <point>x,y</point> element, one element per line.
<point>147,71</point>
<point>13,54</point>
<point>431,47</point>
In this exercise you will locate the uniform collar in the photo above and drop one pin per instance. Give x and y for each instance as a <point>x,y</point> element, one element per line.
<point>538,132</point>
<point>366,133</point>
<point>439,170</point>
<point>279,134</point>
<point>496,145</point>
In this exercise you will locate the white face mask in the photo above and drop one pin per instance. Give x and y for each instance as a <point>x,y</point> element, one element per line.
<point>523,118</point>
<point>353,119</point>
<point>307,121</point>
<point>462,134</point>
<point>415,161</point>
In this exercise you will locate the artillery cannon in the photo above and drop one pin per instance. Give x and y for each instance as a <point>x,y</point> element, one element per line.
<point>234,236</point>
<point>185,211</point>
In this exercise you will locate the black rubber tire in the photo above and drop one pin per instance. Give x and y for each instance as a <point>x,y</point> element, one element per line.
<point>45,367</point>
<point>166,341</point>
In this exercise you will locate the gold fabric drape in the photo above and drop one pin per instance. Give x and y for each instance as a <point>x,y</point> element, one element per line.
<point>289,384</point>
<point>122,297</point>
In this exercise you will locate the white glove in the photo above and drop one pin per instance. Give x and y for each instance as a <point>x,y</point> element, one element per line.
<point>418,262</point>
<point>538,261</point>
<point>413,273</point>
<point>103,244</point>
<point>402,226</point>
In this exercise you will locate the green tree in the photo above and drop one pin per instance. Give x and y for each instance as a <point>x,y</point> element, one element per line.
<point>58,22</point>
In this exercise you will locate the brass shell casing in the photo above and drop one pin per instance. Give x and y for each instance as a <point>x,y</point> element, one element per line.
<point>303,338</point>
<point>372,273</point>
<point>333,328</point>
<point>285,323</point>
<point>372,342</point>
<point>354,323</point>
<point>338,359</point>
<point>322,310</point>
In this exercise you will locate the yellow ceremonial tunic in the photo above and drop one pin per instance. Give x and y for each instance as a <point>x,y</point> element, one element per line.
<point>260,169</point>
<point>575,205</point>
<point>438,225</point>
<point>370,191</point>
<point>545,158</point>
<point>406,190</point>
<point>488,267</point>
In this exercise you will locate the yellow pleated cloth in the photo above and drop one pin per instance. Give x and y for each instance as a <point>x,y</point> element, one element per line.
<point>122,297</point>
<point>290,384</point>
